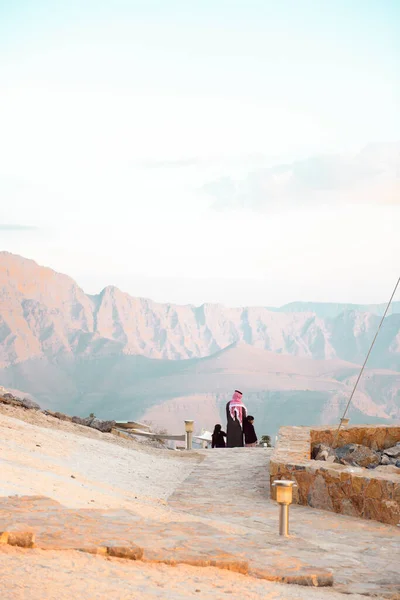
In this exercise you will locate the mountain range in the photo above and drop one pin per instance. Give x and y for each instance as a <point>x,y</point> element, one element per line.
<point>126,357</point>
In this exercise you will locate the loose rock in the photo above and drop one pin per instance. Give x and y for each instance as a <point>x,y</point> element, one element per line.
<point>357,455</point>
<point>10,401</point>
<point>83,421</point>
<point>323,452</point>
<point>393,452</point>
<point>30,404</point>
<point>104,426</point>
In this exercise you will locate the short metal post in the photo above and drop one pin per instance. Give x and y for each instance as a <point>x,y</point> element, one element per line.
<point>284,519</point>
<point>189,426</point>
<point>284,497</point>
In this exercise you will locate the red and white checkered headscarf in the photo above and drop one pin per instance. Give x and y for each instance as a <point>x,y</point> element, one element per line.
<point>236,407</point>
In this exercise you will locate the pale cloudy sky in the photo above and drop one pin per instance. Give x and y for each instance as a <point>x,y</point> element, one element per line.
<point>173,148</point>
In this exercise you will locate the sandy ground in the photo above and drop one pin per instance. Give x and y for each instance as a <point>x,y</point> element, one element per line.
<point>79,467</point>
<point>47,575</point>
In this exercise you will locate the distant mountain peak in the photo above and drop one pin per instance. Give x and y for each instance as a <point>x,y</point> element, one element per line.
<point>47,314</point>
<point>297,365</point>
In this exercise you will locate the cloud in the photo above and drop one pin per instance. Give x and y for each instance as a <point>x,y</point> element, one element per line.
<point>372,175</point>
<point>170,164</point>
<point>16,227</point>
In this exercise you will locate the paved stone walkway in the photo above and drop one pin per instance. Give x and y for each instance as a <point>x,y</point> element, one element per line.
<point>232,485</point>
<point>222,516</point>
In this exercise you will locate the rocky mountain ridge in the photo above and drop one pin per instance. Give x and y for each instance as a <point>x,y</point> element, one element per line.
<point>46,314</point>
<point>122,357</point>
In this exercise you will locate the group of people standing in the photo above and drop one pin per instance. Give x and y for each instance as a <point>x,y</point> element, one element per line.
<point>240,429</point>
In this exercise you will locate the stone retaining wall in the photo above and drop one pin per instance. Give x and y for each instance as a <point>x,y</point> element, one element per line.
<point>339,488</point>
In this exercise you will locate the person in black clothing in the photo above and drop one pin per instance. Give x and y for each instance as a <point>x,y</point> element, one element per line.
<point>218,437</point>
<point>235,415</point>
<point>250,437</point>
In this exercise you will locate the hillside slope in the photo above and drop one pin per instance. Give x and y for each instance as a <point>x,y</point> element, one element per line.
<point>279,389</point>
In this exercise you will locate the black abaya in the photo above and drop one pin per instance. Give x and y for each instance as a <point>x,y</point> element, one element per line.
<point>234,431</point>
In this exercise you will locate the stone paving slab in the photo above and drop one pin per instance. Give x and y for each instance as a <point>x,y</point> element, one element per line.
<point>126,535</point>
<point>222,516</point>
<point>232,486</point>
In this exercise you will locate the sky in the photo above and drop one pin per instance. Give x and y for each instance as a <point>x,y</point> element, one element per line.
<point>240,152</point>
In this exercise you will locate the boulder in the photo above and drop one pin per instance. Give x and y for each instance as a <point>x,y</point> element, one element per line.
<point>94,423</point>
<point>385,460</point>
<point>322,452</point>
<point>104,426</point>
<point>30,404</point>
<point>82,421</point>
<point>57,415</point>
<point>10,401</point>
<point>62,417</point>
<point>316,449</point>
<point>357,455</point>
<point>393,452</point>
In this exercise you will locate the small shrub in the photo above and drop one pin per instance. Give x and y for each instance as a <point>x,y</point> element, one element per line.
<point>156,429</point>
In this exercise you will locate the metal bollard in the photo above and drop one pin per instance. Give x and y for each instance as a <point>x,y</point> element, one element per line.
<point>189,426</point>
<point>284,497</point>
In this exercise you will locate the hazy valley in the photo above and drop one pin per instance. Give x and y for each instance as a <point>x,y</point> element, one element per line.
<point>126,357</point>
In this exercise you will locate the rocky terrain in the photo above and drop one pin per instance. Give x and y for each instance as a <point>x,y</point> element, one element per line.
<point>122,357</point>
<point>359,455</point>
